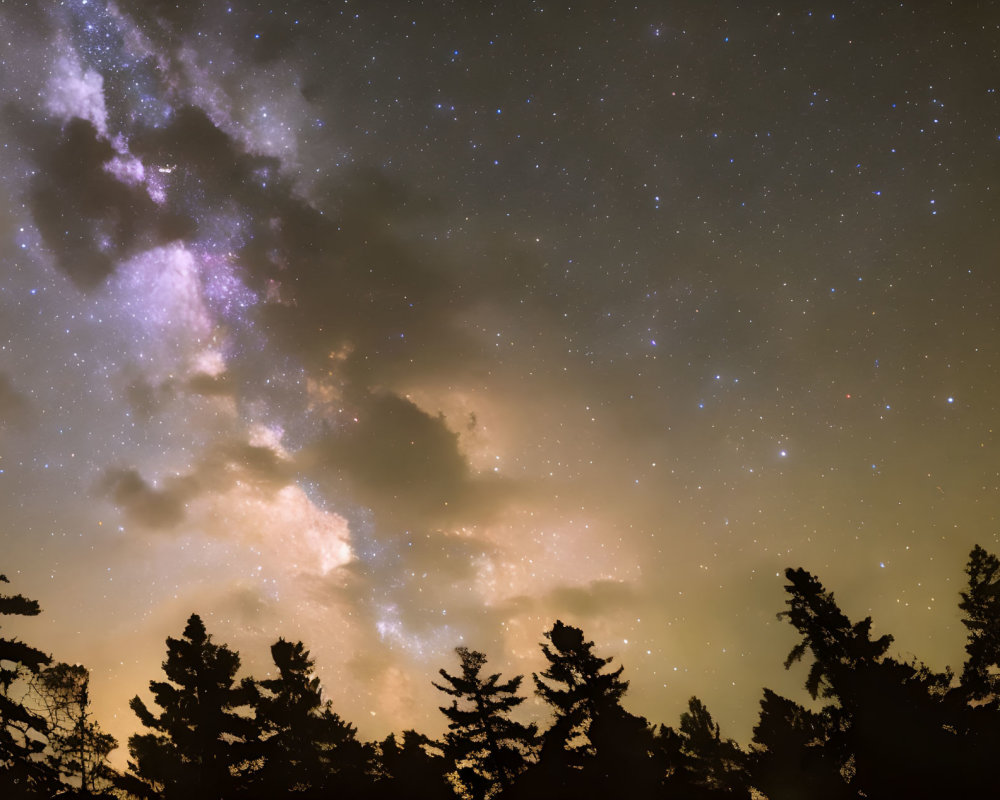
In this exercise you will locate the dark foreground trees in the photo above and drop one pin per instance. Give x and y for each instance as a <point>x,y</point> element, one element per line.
<point>981,605</point>
<point>413,769</point>
<point>889,728</point>
<point>870,725</point>
<point>486,749</point>
<point>300,744</point>
<point>196,744</point>
<point>22,730</point>
<point>77,749</point>
<point>593,746</point>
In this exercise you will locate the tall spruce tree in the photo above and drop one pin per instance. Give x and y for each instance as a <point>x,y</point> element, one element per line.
<point>487,749</point>
<point>577,689</point>
<point>975,702</point>
<point>792,754</point>
<point>22,731</point>
<point>981,604</point>
<point>594,746</point>
<point>716,765</point>
<point>891,727</point>
<point>196,747</point>
<point>303,745</point>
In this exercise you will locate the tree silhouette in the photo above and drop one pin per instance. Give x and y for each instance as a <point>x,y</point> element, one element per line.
<point>838,646</point>
<point>487,749</point>
<point>891,727</point>
<point>981,604</point>
<point>77,747</point>
<point>22,731</point>
<point>577,690</point>
<point>974,705</point>
<point>714,764</point>
<point>194,748</point>
<point>793,757</point>
<point>303,745</point>
<point>413,770</point>
<point>594,746</point>
<point>887,728</point>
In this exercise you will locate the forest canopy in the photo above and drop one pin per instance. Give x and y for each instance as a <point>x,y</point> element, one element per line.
<point>869,725</point>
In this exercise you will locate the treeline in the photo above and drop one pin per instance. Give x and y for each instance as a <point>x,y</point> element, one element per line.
<point>884,728</point>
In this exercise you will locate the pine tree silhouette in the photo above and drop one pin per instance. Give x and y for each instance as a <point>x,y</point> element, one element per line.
<point>974,705</point>
<point>302,744</point>
<point>713,764</point>
<point>981,604</point>
<point>594,746</point>
<point>487,749</point>
<point>793,756</point>
<point>197,745</point>
<point>576,688</point>
<point>890,726</point>
<point>413,770</point>
<point>22,731</point>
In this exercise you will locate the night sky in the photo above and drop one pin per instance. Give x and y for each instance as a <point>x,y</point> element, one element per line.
<point>399,326</point>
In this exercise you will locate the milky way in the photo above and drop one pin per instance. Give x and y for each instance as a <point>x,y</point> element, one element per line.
<point>396,329</point>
